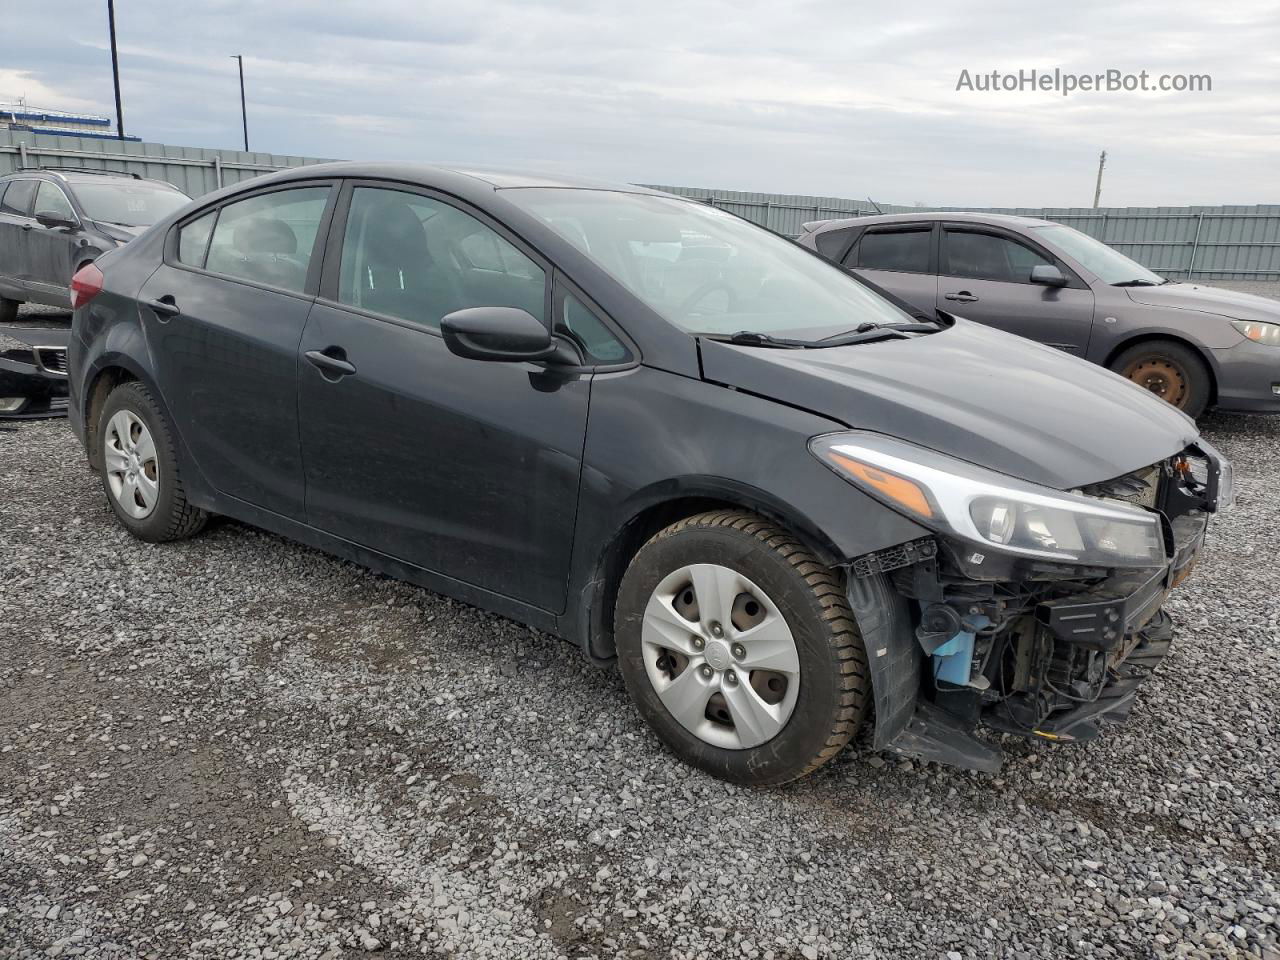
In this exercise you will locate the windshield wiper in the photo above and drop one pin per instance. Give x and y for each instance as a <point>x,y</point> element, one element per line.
<point>865,333</point>
<point>749,338</point>
<point>1136,282</point>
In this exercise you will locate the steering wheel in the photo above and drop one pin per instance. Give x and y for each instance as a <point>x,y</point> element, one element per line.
<point>708,288</point>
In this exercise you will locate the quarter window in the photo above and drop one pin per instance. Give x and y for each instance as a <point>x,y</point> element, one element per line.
<point>581,323</point>
<point>904,250</point>
<point>193,240</point>
<point>269,238</point>
<point>985,256</point>
<point>418,259</point>
<point>17,199</point>
<point>52,202</point>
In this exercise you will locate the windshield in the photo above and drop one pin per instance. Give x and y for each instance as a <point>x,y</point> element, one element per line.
<point>130,204</point>
<point>1105,262</point>
<point>705,270</point>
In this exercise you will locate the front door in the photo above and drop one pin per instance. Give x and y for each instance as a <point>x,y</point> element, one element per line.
<point>15,227</point>
<point>49,248</point>
<point>223,315</point>
<point>986,277</point>
<point>465,468</point>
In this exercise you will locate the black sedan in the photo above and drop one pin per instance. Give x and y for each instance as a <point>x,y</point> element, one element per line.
<point>661,433</point>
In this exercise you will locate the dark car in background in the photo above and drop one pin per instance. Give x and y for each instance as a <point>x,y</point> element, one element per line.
<point>662,433</point>
<point>54,221</point>
<point>1194,346</point>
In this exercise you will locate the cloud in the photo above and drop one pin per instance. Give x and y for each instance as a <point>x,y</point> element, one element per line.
<point>813,97</point>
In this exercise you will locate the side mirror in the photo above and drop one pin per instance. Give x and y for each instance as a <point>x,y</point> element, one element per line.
<point>497,333</point>
<point>53,221</point>
<point>1047,275</point>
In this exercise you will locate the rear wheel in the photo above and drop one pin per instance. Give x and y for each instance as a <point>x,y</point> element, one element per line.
<point>1172,371</point>
<point>139,468</point>
<point>8,310</point>
<point>739,648</point>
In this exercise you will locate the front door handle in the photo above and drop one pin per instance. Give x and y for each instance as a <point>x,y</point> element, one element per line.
<point>164,307</point>
<point>964,296</point>
<point>27,226</point>
<point>331,362</point>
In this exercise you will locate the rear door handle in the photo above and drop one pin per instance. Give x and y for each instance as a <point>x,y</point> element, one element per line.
<point>333,367</point>
<point>164,307</point>
<point>964,296</point>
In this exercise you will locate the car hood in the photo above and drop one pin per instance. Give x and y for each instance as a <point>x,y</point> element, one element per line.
<point>119,231</point>
<point>1193,296</point>
<point>973,393</point>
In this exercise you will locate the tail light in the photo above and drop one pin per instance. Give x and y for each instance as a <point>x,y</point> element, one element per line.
<point>85,285</point>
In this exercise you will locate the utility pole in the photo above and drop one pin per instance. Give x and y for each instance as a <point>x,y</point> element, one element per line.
<point>115,67</point>
<point>244,116</point>
<point>1097,190</point>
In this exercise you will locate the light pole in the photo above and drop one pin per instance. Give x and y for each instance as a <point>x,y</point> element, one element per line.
<point>1097,190</point>
<point>115,67</point>
<point>244,116</point>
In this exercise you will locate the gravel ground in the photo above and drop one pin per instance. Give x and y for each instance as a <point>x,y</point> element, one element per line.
<point>240,747</point>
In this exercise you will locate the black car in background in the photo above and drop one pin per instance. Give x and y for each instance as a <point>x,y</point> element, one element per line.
<point>53,222</point>
<point>662,433</point>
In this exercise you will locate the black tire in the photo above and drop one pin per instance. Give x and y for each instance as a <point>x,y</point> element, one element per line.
<point>1171,370</point>
<point>834,686</point>
<point>172,518</point>
<point>8,310</point>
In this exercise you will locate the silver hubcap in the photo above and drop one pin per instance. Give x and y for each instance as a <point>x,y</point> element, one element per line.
<point>720,656</point>
<point>133,472</point>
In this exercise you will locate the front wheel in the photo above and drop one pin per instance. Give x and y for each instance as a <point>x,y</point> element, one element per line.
<point>1172,371</point>
<point>739,648</point>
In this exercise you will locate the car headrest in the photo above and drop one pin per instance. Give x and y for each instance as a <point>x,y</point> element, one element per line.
<point>264,235</point>
<point>395,238</point>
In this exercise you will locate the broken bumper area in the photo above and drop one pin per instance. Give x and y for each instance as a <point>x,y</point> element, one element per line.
<point>33,373</point>
<point>1056,661</point>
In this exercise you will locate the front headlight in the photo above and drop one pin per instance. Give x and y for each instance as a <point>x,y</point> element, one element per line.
<point>1259,331</point>
<point>990,509</point>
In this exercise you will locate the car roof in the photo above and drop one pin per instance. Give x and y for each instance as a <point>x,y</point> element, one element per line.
<point>952,216</point>
<point>497,179</point>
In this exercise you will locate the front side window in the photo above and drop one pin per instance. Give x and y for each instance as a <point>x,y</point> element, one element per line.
<point>129,203</point>
<point>193,240</point>
<point>417,259</point>
<point>902,250</point>
<point>18,198</point>
<point>985,256</point>
<point>269,238</point>
<point>705,270</point>
<point>52,202</point>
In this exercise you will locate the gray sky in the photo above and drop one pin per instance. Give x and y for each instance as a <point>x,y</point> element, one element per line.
<point>826,98</point>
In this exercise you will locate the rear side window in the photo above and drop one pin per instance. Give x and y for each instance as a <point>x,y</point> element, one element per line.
<point>269,238</point>
<point>17,199</point>
<point>193,240</point>
<point>985,256</point>
<point>832,243</point>
<point>418,259</point>
<point>52,202</point>
<point>904,250</point>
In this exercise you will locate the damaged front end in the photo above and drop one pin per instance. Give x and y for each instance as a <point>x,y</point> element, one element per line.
<point>33,372</point>
<point>1031,612</point>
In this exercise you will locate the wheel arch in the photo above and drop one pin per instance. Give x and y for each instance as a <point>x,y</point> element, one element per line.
<point>1151,336</point>
<point>653,510</point>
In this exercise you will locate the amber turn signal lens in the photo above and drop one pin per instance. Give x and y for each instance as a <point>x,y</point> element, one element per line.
<point>900,490</point>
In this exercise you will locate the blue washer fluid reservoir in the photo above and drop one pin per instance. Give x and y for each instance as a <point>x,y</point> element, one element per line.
<point>954,659</point>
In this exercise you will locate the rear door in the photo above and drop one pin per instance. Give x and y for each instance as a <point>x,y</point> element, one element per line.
<point>15,225</point>
<point>986,277</point>
<point>465,468</point>
<point>900,259</point>
<point>224,314</point>
<point>50,248</point>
